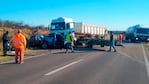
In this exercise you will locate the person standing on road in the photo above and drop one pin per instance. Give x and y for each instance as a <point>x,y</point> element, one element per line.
<point>69,42</point>
<point>5,39</point>
<point>19,44</point>
<point>112,44</point>
<point>121,38</point>
<point>74,39</point>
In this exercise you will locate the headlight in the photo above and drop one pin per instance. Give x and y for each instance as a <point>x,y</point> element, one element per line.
<point>148,39</point>
<point>136,38</point>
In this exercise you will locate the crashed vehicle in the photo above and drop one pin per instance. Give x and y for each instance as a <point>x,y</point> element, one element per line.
<point>53,41</point>
<point>49,41</point>
<point>36,40</point>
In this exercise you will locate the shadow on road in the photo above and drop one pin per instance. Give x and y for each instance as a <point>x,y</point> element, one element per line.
<point>9,63</point>
<point>80,50</point>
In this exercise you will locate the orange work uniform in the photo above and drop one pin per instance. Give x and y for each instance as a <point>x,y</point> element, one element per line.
<point>19,44</point>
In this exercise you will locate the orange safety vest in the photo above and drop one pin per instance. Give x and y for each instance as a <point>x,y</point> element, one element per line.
<point>19,41</point>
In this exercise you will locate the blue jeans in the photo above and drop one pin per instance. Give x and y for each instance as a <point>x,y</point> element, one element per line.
<point>112,46</point>
<point>5,48</point>
<point>69,46</point>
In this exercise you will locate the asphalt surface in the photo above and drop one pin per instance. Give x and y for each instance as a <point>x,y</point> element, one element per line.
<point>84,66</point>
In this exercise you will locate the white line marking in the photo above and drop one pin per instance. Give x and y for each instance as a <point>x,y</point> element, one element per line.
<point>26,57</point>
<point>146,60</point>
<point>131,57</point>
<point>61,68</point>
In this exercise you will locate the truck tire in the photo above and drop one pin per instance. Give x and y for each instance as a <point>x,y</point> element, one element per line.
<point>44,45</point>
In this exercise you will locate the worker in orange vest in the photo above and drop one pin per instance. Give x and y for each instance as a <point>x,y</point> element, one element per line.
<point>19,44</point>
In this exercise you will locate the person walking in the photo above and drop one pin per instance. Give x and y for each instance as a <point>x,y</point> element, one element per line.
<point>5,39</point>
<point>73,39</point>
<point>19,44</point>
<point>112,44</point>
<point>69,42</point>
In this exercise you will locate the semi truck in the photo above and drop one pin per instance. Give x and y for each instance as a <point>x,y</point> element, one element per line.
<point>137,34</point>
<point>85,34</point>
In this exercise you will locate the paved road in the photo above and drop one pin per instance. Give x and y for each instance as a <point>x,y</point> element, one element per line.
<point>85,66</point>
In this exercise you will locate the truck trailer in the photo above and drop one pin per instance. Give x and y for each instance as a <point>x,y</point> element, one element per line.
<point>83,28</point>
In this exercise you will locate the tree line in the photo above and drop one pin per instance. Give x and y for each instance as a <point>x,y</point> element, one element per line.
<point>14,24</point>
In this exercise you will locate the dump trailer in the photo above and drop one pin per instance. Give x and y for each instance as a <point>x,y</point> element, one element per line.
<point>86,34</point>
<point>89,35</point>
<point>82,28</point>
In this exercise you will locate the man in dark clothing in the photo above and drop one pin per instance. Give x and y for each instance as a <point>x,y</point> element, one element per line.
<point>112,45</point>
<point>5,43</point>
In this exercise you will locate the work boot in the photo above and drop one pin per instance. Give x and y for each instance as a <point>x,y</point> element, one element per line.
<point>22,62</point>
<point>16,61</point>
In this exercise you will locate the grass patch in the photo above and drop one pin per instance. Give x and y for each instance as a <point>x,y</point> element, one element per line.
<point>6,58</point>
<point>146,46</point>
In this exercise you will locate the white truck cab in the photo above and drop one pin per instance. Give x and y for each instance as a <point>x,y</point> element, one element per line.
<point>62,25</point>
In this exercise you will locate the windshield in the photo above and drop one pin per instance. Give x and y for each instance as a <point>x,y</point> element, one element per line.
<point>70,25</point>
<point>143,31</point>
<point>58,26</point>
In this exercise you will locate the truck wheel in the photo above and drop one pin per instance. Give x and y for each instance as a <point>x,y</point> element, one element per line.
<point>44,46</point>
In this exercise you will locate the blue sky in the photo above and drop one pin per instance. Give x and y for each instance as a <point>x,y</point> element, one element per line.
<point>115,14</point>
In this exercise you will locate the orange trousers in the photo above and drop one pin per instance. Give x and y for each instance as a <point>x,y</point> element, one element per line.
<point>19,51</point>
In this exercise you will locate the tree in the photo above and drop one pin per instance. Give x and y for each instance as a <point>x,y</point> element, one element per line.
<point>8,23</point>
